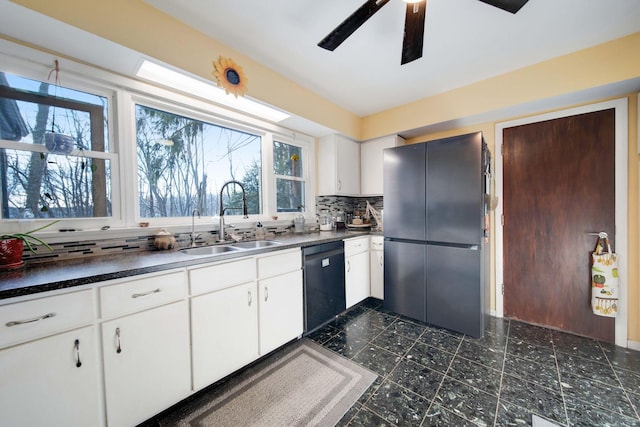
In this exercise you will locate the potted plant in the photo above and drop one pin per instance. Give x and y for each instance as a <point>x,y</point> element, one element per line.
<point>12,247</point>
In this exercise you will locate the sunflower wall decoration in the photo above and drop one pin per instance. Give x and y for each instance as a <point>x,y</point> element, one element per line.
<point>230,76</point>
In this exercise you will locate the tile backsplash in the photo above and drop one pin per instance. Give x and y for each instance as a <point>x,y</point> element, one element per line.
<point>80,249</point>
<point>343,204</point>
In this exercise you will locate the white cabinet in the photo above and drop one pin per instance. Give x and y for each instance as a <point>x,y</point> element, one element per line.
<point>49,363</point>
<point>356,270</point>
<point>338,166</point>
<point>224,323</point>
<point>224,329</point>
<point>371,161</point>
<point>281,310</point>
<point>52,381</point>
<point>146,354</point>
<point>376,255</point>
<point>281,315</point>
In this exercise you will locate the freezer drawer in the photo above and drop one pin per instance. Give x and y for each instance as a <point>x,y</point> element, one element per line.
<point>404,279</point>
<point>455,289</point>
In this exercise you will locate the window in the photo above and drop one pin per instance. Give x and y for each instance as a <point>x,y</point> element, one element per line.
<point>54,160</point>
<point>183,163</point>
<point>289,171</point>
<point>155,158</point>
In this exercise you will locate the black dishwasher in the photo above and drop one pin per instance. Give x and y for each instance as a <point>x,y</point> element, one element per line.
<point>324,295</point>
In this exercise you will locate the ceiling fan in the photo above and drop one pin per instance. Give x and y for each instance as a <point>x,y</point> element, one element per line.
<point>413,24</point>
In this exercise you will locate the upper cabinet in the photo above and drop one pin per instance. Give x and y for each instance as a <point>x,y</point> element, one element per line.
<point>338,166</point>
<point>371,163</point>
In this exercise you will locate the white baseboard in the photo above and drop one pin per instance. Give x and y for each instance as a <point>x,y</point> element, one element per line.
<point>633,345</point>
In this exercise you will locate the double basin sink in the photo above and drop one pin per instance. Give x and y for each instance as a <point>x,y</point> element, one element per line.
<point>232,247</point>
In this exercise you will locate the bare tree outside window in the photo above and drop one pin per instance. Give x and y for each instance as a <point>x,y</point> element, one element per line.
<point>288,168</point>
<point>183,163</point>
<point>40,184</point>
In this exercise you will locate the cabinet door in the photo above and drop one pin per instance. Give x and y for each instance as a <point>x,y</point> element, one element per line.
<point>371,163</point>
<point>146,363</point>
<point>338,166</point>
<point>224,330</point>
<point>280,310</point>
<point>42,384</point>
<point>356,278</point>
<point>348,167</point>
<point>377,274</point>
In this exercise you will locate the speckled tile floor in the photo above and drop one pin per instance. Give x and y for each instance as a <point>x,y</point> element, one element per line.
<point>433,377</point>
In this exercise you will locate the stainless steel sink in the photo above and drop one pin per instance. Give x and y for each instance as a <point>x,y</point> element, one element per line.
<point>255,244</point>
<point>209,250</point>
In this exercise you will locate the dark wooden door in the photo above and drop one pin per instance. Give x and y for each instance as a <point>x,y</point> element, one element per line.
<point>559,185</point>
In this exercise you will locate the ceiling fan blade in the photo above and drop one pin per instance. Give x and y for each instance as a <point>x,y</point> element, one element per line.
<point>512,6</point>
<point>352,23</point>
<point>413,31</point>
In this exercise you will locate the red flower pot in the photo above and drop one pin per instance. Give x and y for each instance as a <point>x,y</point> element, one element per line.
<point>11,253</point>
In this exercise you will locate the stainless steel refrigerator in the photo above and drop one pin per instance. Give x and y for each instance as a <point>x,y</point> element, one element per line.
<point>435,229</point>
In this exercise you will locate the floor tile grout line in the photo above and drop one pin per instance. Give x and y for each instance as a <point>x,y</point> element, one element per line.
<point>444,376</point>
<point>386,377</point>
<point>504,362</point>
<point>564,400</point>
<point>624,389</point>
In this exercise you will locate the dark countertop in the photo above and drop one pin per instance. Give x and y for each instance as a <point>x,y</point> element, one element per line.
<point>43,277</point>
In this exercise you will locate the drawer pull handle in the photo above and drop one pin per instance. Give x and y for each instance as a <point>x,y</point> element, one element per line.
<point>348,266</point>
<point>35,319</point>
<point>119,348</point>
<point>144,294</point>
<point>77,346</point>
<point>250,298</point>
<point>266,294</point>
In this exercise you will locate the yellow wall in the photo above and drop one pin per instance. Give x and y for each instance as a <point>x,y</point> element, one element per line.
<point>604,64</point>
<point>136,25</point>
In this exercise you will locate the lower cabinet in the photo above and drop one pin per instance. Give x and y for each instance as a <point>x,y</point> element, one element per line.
<point>356,278</point>
<point>146,363</point>
<point>52,381</point>
<point>376,259</point>
<point>281,310</point>
<point>224,332</point>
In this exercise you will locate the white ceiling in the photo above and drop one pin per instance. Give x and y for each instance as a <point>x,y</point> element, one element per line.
<point>465,41</point>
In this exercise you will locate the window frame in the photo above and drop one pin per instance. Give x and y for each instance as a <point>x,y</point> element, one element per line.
<point>306,145</point>
<point>122,93</point>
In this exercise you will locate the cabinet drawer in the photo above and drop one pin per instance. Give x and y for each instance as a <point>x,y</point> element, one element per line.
<point>377,243</point>
<point>356,245</point>
<point>221,276</point>
<point>142,293</point>
<point>37,318</point>
<point>279,263</point>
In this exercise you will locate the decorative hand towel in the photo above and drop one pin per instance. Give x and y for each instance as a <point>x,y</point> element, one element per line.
<point>604,280</point>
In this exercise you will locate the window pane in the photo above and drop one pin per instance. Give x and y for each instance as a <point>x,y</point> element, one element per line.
<point>287,159</point>
<point>183,164</point>
<point>39,185</point>
<point>290,195</point>
<point>29,109</point>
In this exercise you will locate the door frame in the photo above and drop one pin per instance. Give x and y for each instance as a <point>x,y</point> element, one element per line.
<point>621,207</point>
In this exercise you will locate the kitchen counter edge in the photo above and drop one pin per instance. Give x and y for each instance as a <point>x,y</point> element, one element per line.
<point>52,276</point>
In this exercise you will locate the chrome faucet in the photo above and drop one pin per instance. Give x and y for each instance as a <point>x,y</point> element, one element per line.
<point>194,236</point>
<point>221,232</point>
